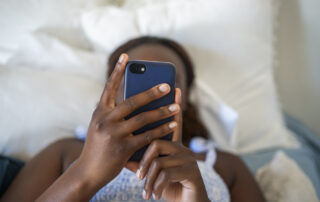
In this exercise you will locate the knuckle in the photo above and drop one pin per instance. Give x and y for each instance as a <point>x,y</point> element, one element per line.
<point>109,85</point>
<point>102,123</point>
<point>148,137</point>
<point>164,129</point>
<point>124,126</point>
<point>164,174</point>
<point>99,126</point>
<point>130,103</point>
<point>163,111</point>
<point>106,118</point>
<point>152,93</point>
<point>154,145</point>
<point>112,131</point>
<point>141,118</point>
<point>156,164</point>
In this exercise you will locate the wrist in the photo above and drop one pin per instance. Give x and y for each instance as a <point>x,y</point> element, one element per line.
<point>83,180</point>
<point>72,185</point>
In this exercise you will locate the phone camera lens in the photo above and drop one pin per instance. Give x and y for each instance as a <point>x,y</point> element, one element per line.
<point>137,68</point>
<point>133,68</point>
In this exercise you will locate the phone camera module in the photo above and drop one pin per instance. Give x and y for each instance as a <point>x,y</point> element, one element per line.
<point>137,68</point>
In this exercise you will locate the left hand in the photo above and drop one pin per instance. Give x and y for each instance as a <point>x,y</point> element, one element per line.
<point>175,177</point>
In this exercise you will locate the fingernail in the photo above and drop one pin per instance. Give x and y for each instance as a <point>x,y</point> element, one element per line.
<point>154,197</point>
<point>121,58</point>
<point>144,194</point>
<point>164,87</point>
<point>172,125</point>
<point>173,108</point>
<point>138,174</point>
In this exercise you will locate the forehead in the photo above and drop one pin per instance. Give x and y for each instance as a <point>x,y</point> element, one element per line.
<point>158,52</point>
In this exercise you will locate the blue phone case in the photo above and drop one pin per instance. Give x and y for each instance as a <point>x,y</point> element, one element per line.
<point>134,83</point>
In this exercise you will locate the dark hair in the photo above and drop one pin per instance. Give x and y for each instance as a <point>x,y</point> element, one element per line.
<point>192,125</point>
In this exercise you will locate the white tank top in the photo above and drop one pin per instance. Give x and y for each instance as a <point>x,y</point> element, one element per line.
<point>126,187</point>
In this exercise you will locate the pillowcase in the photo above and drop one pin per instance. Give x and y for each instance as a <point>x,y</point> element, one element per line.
<point>44,50</point>
<point>283,170</point>
<point>40,106</point>
<point>230,43</point>
<point>20,17</point>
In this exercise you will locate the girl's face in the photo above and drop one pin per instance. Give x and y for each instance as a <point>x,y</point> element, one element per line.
<point>157,52</point>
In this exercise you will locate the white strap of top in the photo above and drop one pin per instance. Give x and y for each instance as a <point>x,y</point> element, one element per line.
<point>199,145</point>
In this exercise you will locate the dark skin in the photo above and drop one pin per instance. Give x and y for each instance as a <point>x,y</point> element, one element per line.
<point>107,149</point>
<point>62,161</point>
<point>231,168</point>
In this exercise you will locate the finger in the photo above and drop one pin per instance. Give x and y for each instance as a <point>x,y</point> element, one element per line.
<point>138,141</point>
<point>132,165</point>
<point>161,163</point>
<point>145,118</point>
<point>177,98</point>
<point>156,148</point>
<point>177,134</point>
<point>113,83</point>
<point>139,100</point>
<point>170,175</point>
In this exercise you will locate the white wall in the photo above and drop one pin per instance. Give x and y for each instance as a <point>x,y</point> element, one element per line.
<point>298,70</point>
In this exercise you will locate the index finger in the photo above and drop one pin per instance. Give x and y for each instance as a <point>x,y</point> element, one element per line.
<point>156,148</point>
<point>113,83</point>
<point>139,100</point>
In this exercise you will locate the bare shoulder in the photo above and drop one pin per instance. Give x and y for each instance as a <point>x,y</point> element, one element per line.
<point>226,165</point>
<point>238,178</point>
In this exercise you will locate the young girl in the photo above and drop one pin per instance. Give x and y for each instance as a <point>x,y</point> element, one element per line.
<point>72,170</point>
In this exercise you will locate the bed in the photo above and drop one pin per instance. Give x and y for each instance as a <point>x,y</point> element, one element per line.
<point>307,157</point>
<point>53,62</point>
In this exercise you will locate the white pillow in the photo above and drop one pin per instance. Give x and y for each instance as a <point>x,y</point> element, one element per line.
<point>283,180</point>
<point>42,50</point>
<point>18,17</point>
<point>40,106</point>
<point>230,43</point>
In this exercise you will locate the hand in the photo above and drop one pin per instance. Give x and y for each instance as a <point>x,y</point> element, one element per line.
<point>175,177</point>
<point>110,142</point>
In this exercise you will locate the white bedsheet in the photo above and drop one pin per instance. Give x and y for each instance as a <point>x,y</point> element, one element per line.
<point>50,78</point>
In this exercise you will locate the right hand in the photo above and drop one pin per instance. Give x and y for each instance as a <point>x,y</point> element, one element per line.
<point>175,176</point>
<point>110,142</point>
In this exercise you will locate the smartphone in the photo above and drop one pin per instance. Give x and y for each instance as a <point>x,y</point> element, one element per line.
<point>140,76</point>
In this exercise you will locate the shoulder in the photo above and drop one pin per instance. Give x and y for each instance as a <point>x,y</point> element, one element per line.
<point>226,166</point>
